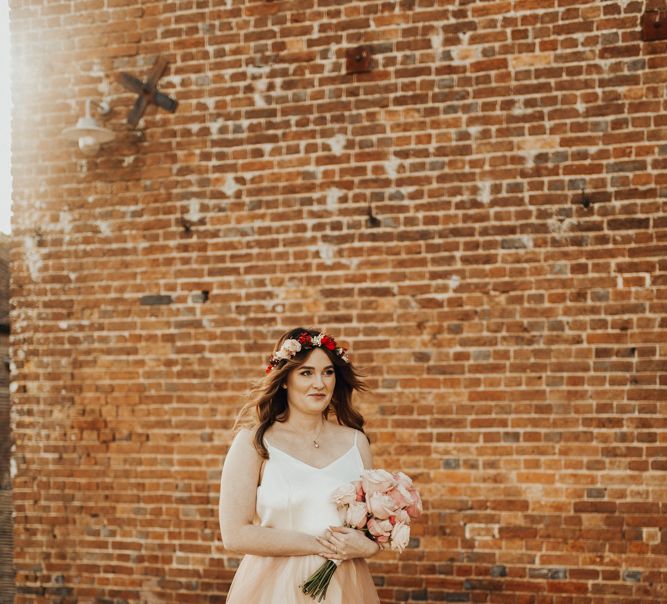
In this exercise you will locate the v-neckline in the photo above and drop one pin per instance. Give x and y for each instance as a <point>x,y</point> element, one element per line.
<point>307,464</point>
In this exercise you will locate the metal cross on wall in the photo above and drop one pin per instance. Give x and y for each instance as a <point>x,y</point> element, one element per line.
<point>148,92</point>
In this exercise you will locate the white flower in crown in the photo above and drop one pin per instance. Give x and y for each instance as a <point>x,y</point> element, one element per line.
<point>342,353</point>
<point>317,340</point>
<point>288,349</point>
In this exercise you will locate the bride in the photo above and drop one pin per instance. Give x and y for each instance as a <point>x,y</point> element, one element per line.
<point>280,471</point>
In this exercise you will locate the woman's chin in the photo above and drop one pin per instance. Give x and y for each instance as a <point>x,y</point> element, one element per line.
<point>315,403</point>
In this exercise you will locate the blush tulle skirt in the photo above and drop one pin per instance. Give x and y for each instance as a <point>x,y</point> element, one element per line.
<point>276,580</point>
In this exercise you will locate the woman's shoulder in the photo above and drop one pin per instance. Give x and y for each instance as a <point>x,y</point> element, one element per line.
<point>244,434</point>
<point>349,433</point>
<point>242,451</point>
<point>244,438</point>
<point>359,439</point>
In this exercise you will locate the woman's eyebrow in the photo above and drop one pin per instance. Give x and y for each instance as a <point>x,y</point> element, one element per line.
<point>309,367</point>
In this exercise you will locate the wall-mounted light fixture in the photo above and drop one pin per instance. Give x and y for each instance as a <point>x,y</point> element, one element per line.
<point>88,132</point>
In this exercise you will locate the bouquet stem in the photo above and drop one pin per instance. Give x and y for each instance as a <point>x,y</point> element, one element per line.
<point>318,583</point>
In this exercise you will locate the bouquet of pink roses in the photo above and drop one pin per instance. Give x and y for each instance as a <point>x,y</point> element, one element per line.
<point>380,503</point>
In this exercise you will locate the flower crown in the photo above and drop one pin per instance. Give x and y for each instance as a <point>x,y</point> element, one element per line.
<point>305,342</point>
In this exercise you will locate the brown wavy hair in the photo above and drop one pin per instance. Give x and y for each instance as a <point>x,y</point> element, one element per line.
<point>268,400</point>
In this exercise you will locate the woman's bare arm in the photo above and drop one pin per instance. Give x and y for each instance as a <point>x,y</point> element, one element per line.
<point>238,492</point>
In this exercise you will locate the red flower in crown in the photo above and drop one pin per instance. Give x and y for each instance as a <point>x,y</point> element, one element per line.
<point>328,342</point>
<point>305,339</point>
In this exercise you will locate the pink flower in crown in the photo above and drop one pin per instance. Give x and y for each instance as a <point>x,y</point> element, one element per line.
<point>380,505</point>
<point>376,480</point>
<point>400,537</point>
<point>288,349</point>
<point>356,515</point>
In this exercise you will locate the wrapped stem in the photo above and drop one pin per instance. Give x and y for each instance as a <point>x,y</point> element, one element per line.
<point>317,584</point>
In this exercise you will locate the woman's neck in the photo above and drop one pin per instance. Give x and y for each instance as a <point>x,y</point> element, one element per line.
<point>304,424</point>
<point>307,428</point>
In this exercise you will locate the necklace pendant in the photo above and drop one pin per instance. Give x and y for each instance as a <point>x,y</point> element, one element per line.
<point>317,445</point>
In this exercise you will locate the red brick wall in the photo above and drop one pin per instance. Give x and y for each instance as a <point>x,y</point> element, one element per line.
<point>514,335</point>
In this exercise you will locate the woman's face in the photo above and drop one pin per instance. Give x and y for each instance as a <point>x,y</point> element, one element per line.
<point>311,385</point>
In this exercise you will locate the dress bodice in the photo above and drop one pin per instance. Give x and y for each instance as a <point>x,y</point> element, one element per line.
<point>295,495</point>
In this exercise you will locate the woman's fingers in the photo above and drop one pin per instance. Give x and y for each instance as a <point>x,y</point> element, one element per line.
<point>341,543</point>
<point>326,543</point>
<point>336,548</point>
<point>332,542</point>
<point>340,529</point>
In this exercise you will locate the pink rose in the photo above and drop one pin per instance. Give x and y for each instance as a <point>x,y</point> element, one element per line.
<point>400,537</point>
<point>403,479</point>
<point>415,509</point>
<point>376,480</point>
<point>356,515</point>
<point>401,496</point>
<point>361,496</point>
<point>400,516</point>
<point>345,494</point>
<point>381,506</point>
<point>380,529</point>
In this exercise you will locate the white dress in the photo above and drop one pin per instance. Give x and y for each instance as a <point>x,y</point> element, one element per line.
<point>295,495</point>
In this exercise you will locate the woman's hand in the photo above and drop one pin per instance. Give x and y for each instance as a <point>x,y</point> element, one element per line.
<point>344,543</point>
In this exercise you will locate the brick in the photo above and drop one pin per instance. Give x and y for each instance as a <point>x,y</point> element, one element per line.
<point>153,300</point>
<point>633,576</point>
<point>628,223</point>
<point>499,571</point>
<point>595,507</point>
